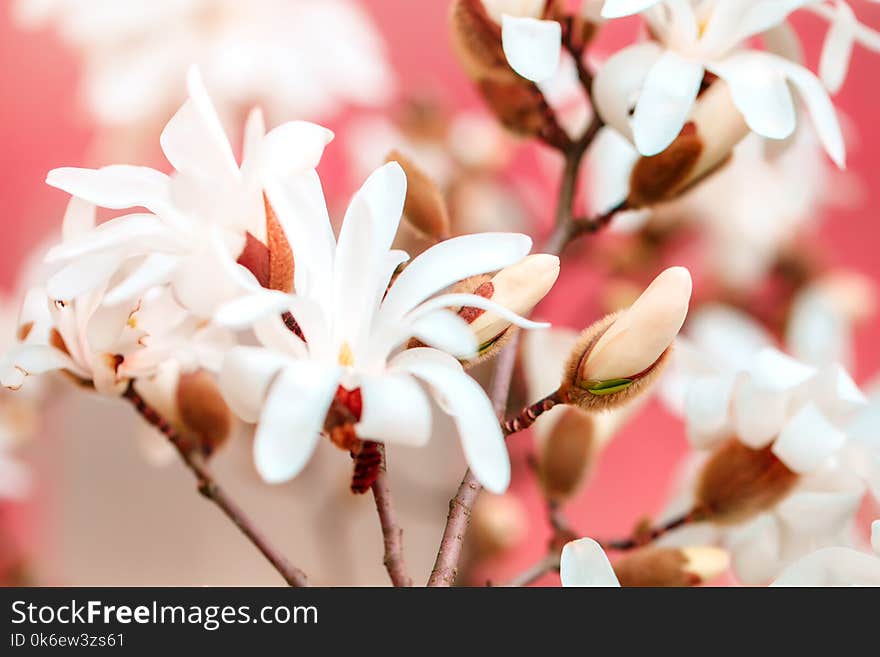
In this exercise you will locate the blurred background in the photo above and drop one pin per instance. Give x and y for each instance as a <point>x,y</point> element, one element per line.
<point>91,82</point>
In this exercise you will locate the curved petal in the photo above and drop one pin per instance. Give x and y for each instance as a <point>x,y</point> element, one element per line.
<point>466,402</point>
<point>445,330</point>
<point>760,93</point>
<point>395,410</point>
<point>116,187</point>
<point>245,377</point>
<point>35,359</point>
<point>254,131</point>
<point>292,147</point>
<point>157,268</point>
<point>136,231</point>
<point>621,8</point>
<point>838,47</point>
<point>194,140</point>
<point>250,308</point>
<point>83,275</point>
<point>449,262</point>
<point>807,440</point>
<point>833,566</point>
<point>584,563</point>
<point>618,82</point>
<point>533,47</point>
<point>79,219</point>
<point>292,418</point>
<point>274,334</point>
<point>668,94</point>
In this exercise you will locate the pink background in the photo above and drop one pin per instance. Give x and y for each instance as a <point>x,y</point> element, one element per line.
<point>43,126</point>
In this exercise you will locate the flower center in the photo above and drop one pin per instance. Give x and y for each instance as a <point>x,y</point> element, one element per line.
<point>346,355</point>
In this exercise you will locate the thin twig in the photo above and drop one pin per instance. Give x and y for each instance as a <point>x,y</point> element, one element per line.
<point>530,575</point>
<point>461,506</point>
<point>642,537</point>
<point>527,416</point>
<point>392,534</point>
<point>211,490</point>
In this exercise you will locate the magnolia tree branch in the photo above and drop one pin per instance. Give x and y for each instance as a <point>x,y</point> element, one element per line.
<point>392,534</point>
<point>548,564</point>
<point>642,537</point>
<point>211,490</point>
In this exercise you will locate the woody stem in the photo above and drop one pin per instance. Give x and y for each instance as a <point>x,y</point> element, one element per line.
<point>527,416</point>
<point>208,487</point>
<point>642,538</point>
<point>392,534</point>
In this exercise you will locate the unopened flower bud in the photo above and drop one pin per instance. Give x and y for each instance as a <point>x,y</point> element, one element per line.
<point>619,356</point>
<point>498,523</point>
<point>271,262</point>
<point>518,287</point>
<point>705,143</point>
<point>660,566</point>
<point>424,208</point>
<point>738,482</point>
<point>566,453</point>
<point>517,103</point>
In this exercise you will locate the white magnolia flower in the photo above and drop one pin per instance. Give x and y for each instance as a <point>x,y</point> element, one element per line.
<point>836,566</point>
<point>340,352</point>
<point>663,77</point>
<point>584,563</point>
<point>208,194</point>
<point>303,58</point>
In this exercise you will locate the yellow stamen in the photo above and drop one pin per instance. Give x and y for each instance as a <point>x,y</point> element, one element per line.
<point>346,356</point>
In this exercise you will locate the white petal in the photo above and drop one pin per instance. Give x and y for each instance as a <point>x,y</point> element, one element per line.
<point>478,428</point>
<point>760,93</point>
<point>274,334</point>
<point>532,47</point>
<point>156,269</point>
<point>83,275</point>
<point>245,377</point>
<point>707,405</point>
<point>116,187</point>
<point>79,219</point>
<point>620,8</point>
<point>194,141</point>
<point>833,566</point>
<point>838,47</point>
<point>254,131</point>
<point>584,563</point>
<point>759,414</point>
<point>819,105</point>
<point>775,371</point>
<point>820,513</point>
<point>444,330</point>
<point>449,262</point>
<point>395,410</point>
<point>248,309</point>
<point>618,82</point>
<point>808,440</point>
<point>133,231</point>
<point>37,359</point>
<point>668,94</point>
<point>292,147</point>
<point>292,419</point>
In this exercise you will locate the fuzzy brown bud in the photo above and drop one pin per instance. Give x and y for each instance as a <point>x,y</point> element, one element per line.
<point>738,482</point>
<point>566,453</point>
<point>203,411</point>
<point>660,566</point>
<point>498,523</point>
<point>424,208</point>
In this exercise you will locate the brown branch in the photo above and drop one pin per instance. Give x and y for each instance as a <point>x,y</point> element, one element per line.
<point>392,534</point>
<point>460,507</point>
<point>527,416</point>
<point>211,490</point>
<point>548,564</point>
<point>642,537</point>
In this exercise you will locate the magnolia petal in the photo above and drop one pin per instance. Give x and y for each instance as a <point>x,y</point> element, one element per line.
<point>245,377</point>
<point>760,93</point>
<point>157,268</point>
<point>274,334</point>
<point>79,219</point>
<point>759,414</point>
<point>833,566</point>
<point>83,275</point>
<point>838,47</point>
<point>419,355</point>
<point>35,359</point>
<point>620,8</point>
<point>775,371</point>
<point>481,438</point>
<point>617,84</point>
<point>248,309</point>
<point>707,406</point>
<point>116,187</point>
<point>444,330</point>
<point>132,231</point>
<point>254,131</point>
<point>807,440</point>
<point>533,47</point>
<point>820,513</point>
<point>584,563</point>
<point>668,94</point>
<point>292,418</point>
<point>292,147</point>
<point>194,140</point>
<point>395,410</point>
<point>449,262</point>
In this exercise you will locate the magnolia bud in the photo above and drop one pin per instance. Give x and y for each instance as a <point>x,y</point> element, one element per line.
<point>498,523</point>
<point>519,288</point>
<point>566,453</point>
<point>659,566</point>
<point>424,208</point>
<point>705,143</point>
<point>619,356</point>
<point>738,482</point>
<point>203,410</point>
<point>270,263</point>
<point>518,103</point>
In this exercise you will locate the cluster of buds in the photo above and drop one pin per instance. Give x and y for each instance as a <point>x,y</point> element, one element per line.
<point>621,355</point>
